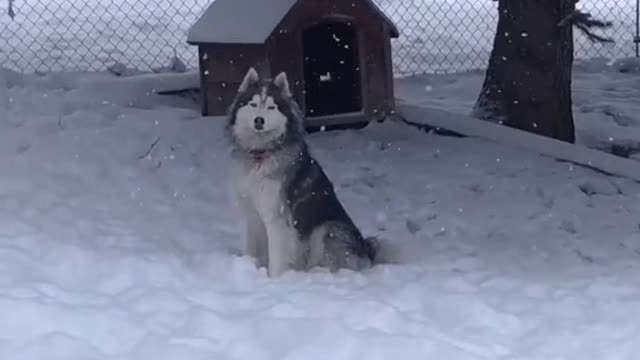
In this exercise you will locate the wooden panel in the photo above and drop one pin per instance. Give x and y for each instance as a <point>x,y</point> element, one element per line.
<point>230,62</point>
<point>390,100</point>
<point>285,54</point>
<point>222,68</point>
<point>380,72</point>
<point>204,102</point>
<point>219,97</point>
<point>374,59</point>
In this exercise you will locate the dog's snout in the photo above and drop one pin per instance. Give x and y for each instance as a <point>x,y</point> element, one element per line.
<point>258,123</point>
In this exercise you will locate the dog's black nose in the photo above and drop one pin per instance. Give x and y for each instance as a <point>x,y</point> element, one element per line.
<point>258,123</point>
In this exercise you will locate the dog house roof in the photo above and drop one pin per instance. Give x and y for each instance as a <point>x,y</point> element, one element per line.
<point>249,21</point>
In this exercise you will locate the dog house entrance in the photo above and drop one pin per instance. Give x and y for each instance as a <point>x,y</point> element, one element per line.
<point>331,69</point>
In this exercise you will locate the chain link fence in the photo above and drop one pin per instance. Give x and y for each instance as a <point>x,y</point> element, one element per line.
<point>437,36</point>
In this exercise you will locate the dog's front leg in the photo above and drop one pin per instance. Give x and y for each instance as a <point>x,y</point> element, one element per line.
<point>254,242</point>
<point>282,245</point>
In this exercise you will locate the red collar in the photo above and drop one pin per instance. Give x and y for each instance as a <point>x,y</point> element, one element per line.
<point>259,156</point>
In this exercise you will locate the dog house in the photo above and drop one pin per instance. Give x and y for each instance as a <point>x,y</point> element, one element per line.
<point>336,53</point>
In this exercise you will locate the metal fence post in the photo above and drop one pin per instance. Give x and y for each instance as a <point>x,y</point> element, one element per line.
<point>636,38</point>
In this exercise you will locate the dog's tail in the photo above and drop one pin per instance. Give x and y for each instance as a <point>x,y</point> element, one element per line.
<point>383,251</point>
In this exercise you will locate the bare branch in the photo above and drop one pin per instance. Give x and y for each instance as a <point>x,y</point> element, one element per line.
<point>10,11</point>
<point>593,37</point>
<point>153,145</point>
<point>584,22</point>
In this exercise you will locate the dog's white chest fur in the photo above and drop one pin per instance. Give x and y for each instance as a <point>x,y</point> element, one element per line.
<point>269,233</point>
<point>263,193</point>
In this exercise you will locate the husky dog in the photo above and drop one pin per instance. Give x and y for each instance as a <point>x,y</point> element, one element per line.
<point>293,219</point>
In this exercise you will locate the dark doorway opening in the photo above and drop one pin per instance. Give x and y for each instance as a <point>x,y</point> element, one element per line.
<point>331,69</point>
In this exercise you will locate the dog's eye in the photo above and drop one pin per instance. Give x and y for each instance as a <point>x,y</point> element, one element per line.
<point>253,105</point>
<point>271,107</point>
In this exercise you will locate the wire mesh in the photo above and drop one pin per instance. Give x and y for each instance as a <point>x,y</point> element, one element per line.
<point>437,36</point>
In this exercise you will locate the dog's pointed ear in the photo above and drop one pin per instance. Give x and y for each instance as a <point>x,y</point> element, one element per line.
<point>251,78</point>
<point>282,83</point>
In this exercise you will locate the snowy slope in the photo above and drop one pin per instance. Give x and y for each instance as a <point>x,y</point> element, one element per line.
<point>105,255</point>
<point>465,125</point>
<point>606,110</point>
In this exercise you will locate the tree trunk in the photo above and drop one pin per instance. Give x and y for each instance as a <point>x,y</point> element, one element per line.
<point>528,82</point>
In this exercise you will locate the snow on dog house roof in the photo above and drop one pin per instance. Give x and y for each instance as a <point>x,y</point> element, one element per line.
<point>249,21</point>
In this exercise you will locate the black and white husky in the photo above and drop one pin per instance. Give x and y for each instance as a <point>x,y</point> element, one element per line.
<point>292,217</point>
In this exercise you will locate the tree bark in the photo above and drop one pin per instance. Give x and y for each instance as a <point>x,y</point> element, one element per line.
<point>528,81</point>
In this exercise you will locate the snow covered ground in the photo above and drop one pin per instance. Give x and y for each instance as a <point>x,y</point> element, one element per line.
<point>117,241</point>
<point>436,35</point>
<point>110,253</point>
